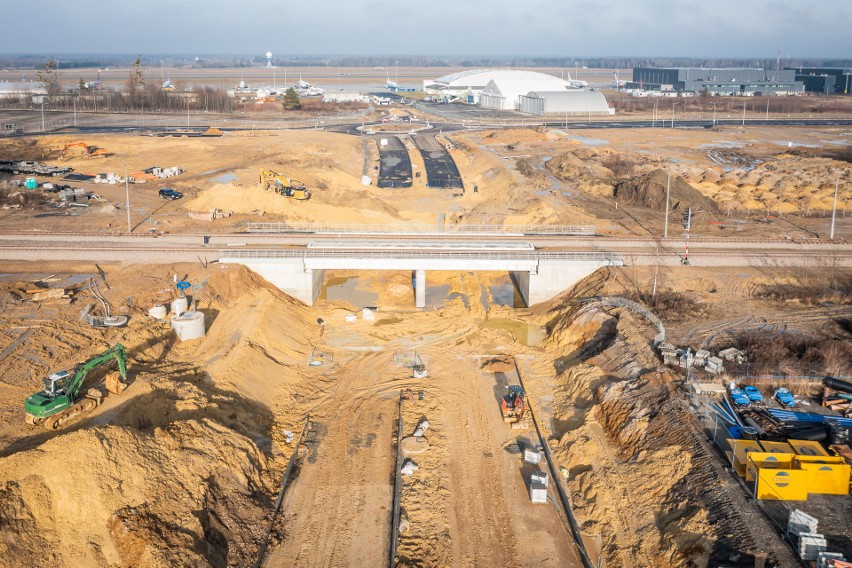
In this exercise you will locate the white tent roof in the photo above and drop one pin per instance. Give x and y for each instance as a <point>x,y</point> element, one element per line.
<point>481,77</point>
<point>576,100</point>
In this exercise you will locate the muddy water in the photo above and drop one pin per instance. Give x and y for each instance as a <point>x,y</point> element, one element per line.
<point>528,334</point>
<point>346,289</point>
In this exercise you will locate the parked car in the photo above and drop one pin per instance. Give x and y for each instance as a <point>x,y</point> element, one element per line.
<point>753,393</point>
<point>739,397</point>
<point>169,193</point>
<point>785,397</point>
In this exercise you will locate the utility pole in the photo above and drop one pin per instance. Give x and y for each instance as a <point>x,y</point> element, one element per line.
<point>666,222</point>
<point>127,194</point>
<point>744,105</point>
<point>42,115</point>
<point>767,107</point>
<point>75,110</point>
<point>834,208</point>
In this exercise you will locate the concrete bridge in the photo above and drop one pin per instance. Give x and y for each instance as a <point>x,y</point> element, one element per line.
<point>538,276</point>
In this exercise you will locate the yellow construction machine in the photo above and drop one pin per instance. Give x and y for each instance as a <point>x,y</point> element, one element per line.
<point>291,188</point>
<point>82,150</point>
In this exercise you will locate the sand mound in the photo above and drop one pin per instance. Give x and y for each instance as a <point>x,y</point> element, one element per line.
<point>580,163</point>
<point>180,495</point>
<point>649,190</point>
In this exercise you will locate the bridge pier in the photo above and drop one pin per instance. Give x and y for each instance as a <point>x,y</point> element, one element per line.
<point>420,289</point>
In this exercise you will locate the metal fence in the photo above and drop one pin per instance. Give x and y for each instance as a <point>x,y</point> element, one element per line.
<point>421,229</point>
<point>607,257</point>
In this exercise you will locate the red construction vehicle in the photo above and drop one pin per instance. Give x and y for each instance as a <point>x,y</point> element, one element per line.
<point>513,405</point>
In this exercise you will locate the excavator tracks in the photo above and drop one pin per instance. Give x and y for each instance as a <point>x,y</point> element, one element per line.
<point>58,420</point>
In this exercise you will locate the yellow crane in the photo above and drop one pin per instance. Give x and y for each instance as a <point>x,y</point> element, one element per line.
<point>291,188</point>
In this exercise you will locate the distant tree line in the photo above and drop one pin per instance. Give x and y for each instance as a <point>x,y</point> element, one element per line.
<point>34,62</point>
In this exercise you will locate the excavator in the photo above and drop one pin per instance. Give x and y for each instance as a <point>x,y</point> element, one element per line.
<point>290,188</point>
<point>82,150</point>
<point>60,400</point>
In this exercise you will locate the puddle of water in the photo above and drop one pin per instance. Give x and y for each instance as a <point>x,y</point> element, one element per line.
<point>465,300</point>
<point>225,178</point>
<point>506,295</point>
<point>346,289</point>
<point>590,141</point>
<point>528,334</point>
<point>436,295</point>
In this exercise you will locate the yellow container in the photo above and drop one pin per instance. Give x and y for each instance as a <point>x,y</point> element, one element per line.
<point>766,460</point>
<point>827,479</point>
<point>782,484</point>
<point>807,448</point>
<point>739,452</point>
<point>777,447</point>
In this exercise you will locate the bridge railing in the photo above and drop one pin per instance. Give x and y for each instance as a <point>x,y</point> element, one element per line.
<point>420,229</point>
<point>607,257</point>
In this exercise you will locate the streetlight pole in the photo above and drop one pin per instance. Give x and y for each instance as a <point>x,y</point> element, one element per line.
<point>714,115</point>
<point>666,221</point>
<point>767,106</point>
<point>75,110</point>
<point>127,195</point>
<point>744,105</point>
<point>42,115</point>
<point>834,208</point>
<point>673,107</point>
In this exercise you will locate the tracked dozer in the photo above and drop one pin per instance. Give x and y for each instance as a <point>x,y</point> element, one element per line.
<point>290,188</point>
<point>61,400</point>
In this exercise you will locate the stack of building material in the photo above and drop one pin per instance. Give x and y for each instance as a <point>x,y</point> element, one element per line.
<point>732,354</point>
<point>800,522</point>
<point>163,172</point>
<point>701,357</point>
<point>714,365</point>
<point>538,487</point>
<point>810,545</point>
<point>669,354</point>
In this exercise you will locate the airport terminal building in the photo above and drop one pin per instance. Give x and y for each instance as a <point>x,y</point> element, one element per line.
<point>743,81</point>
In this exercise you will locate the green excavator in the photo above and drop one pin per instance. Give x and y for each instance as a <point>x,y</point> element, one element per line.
<point>60,401</point>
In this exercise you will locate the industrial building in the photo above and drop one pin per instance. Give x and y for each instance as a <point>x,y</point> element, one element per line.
<point>825,80</point>
<point>743,81</point>
<point>9,90</point>
<point>577,102</point>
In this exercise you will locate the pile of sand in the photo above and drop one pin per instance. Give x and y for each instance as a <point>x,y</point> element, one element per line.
<point>649,190</point>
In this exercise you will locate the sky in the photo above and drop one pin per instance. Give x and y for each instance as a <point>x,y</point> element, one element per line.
<point>566,28</point>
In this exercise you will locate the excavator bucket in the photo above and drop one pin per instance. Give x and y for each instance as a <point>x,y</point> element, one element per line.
<point>114,383</point>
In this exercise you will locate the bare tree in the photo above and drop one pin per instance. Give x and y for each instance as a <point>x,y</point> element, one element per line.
<point>49,77</point>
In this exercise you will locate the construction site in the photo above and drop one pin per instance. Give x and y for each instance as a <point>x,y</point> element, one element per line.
<point>413,342</point>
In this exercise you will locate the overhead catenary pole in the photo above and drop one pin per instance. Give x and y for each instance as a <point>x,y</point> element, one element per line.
<point>666,221</point>
<point>834,208</point>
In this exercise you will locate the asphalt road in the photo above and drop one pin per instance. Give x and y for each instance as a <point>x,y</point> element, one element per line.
<point>394,163</point>
<point>441,170</point>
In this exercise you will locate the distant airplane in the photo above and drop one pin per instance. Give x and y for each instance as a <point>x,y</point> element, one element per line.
<point>391,85</point>
<point>617,83</point>
<point>576,83</point>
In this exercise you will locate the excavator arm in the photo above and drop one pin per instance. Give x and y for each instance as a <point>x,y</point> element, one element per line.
<point>81,370</point>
